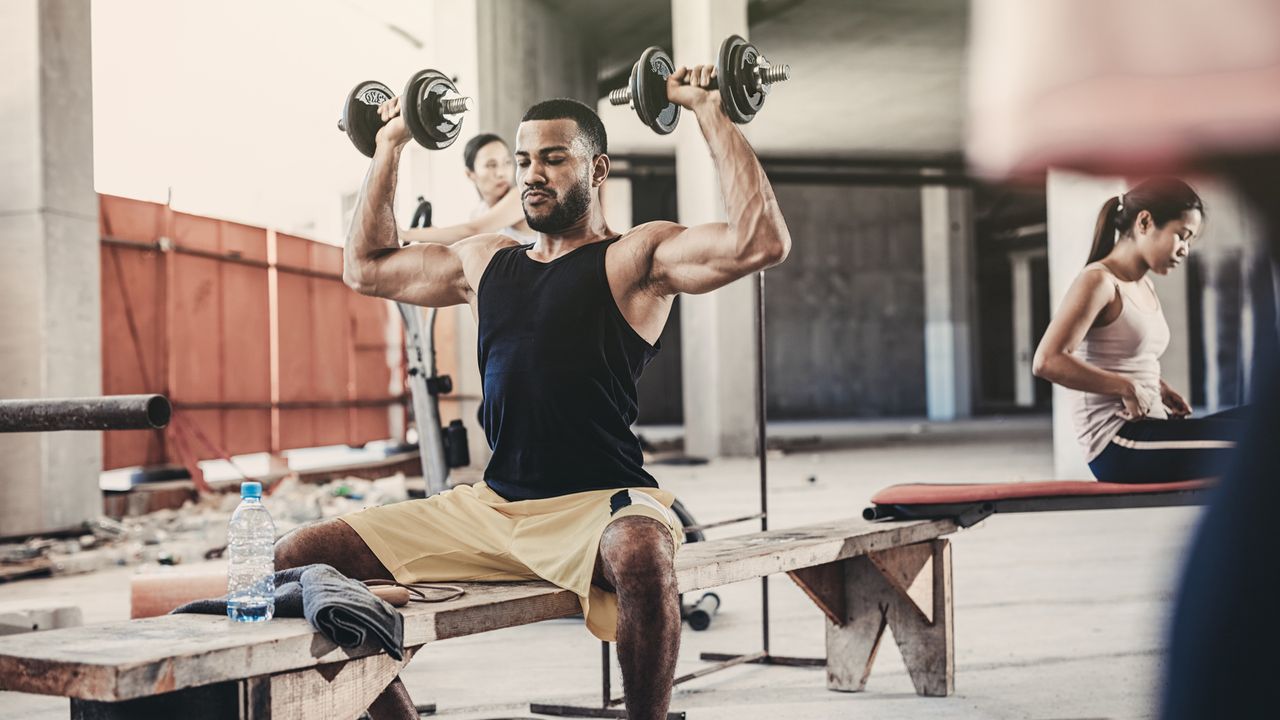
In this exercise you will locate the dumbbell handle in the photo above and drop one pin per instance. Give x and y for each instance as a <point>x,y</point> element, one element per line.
<point>448,106</point>
<point>767,74</point>
<point>456,105</point>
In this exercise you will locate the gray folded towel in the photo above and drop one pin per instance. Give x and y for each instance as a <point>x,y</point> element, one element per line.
<point>342,609</point>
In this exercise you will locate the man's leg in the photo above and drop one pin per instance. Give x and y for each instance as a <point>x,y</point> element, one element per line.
<point>637,561</point>
<point>333,542</point>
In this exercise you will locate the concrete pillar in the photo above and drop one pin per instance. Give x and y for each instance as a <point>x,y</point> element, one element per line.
<point>50,313</point>
<point>1023,342</point>
<point>947,229</point>
<point>529,53</point>
<point>717,329</point>
<point>506,56</point>
<point>1073,202</point>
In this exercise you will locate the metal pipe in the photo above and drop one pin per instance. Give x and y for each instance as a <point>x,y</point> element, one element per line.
<point>762,449</point>
<point>169,247</point>
<point>739,660</point>
<point>604,664</point>
<point>290,404</point>
<point>114,412</point>
<point>722,523</point>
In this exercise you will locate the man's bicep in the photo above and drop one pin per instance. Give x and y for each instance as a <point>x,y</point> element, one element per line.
<point>426,274</point>
<point>693,260</point>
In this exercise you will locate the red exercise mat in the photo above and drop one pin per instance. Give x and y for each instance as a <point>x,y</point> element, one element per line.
<point>946,493</point>
<point>970,503</point>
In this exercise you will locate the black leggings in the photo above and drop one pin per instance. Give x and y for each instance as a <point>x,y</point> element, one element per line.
<point>1153,451</point>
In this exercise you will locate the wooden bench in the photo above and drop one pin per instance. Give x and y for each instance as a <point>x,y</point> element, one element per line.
<point>863,576</point>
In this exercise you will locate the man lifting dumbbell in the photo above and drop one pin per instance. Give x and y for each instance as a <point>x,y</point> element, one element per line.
<point>566,326</point>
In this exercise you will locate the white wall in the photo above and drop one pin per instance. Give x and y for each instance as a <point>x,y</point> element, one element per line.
<point>234,104</point>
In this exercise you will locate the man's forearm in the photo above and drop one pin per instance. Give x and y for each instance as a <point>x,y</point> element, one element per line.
<point>373,227</point>
<point>755,222</point>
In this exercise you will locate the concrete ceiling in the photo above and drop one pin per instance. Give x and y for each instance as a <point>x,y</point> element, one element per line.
<point>870,78</point>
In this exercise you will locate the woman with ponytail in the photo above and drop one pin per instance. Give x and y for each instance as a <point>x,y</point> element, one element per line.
<point>1106,341</point>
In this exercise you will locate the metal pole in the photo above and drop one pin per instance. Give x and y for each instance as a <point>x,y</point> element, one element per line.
<point>604,663</point>
<point>762,422</point>
<point>435,469</point>
<point>114,412</point>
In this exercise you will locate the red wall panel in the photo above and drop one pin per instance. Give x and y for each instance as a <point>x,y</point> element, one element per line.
<point>251,334</point>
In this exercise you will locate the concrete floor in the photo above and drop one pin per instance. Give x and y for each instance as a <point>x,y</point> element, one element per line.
<point>1058,615</point>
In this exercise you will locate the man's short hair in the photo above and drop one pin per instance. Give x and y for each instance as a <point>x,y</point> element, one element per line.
<point>473,148</point>
<point>568,109</point>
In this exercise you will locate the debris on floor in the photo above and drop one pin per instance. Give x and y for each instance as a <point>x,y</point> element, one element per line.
<point>195,531</point>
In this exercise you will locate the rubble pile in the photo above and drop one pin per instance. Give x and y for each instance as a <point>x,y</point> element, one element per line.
<point>196,531</point>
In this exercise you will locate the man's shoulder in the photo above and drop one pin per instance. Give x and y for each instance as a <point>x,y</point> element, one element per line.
<point>645,236</point>
<point>630,260</point>
<point>485,244</point>
<point>477,251</point>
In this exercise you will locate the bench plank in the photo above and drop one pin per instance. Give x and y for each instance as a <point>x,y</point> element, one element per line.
<point>720,562</point>
<point>127,660</point>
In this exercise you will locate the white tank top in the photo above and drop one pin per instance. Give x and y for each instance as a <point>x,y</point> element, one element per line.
<point>1131,345</point>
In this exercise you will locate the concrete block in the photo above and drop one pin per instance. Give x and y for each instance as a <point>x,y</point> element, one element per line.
<point>23,617</point>
<point>157,593</point>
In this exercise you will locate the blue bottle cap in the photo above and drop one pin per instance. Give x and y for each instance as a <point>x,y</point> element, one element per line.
<point>250,489</point>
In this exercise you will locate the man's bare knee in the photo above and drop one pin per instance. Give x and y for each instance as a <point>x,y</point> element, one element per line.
<point>638,553</point>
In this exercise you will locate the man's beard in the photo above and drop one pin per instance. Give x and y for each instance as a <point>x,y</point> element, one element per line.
<point>566,212</point>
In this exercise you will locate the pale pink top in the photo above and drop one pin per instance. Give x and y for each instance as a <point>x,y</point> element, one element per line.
<point>1131,345</point>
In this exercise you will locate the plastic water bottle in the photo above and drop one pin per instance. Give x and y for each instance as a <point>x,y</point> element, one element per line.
<point>251,540</point>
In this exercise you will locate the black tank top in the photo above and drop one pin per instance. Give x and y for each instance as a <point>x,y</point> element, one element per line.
<point>560,365</point>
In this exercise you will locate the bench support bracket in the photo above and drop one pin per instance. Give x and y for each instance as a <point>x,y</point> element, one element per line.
<point>864,595</point>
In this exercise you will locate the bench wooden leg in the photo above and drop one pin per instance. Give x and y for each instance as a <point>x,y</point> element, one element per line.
<point>338,691</point>
<point>864,595</point>
<point>335,691</point>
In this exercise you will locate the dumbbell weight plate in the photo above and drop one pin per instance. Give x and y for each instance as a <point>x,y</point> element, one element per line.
<point>421,108</point>
<point>360,119</point>
<point>649,91</point>
<point>741,93</point>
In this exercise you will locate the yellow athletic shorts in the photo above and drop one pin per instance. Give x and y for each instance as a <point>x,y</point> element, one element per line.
<point>472,533</point>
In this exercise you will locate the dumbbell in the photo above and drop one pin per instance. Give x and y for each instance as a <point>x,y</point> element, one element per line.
<point>699,614</point>
<point>430,106</point>
<point>743,77</point>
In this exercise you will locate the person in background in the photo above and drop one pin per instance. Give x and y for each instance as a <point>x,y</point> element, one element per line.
<point>1106,340</point>
<point>491,170</point>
